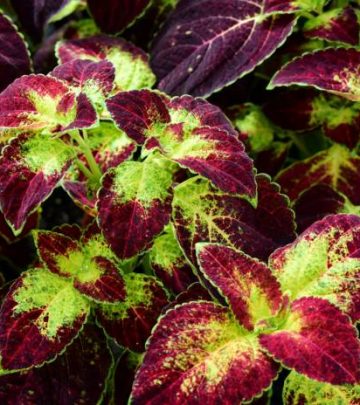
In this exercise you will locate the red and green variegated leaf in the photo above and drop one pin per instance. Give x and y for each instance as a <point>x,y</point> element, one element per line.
<point>335,70</point>
<point>132,70</point>
<point>87,264</point>
<point>15,59</point>
<point>301,390</point>
<point>134,204</point>
<point>202,213</point>
<point>317,340</point>
<point>323,262</point>
<point>113,16</point>
<point>319,201</point>
<point>95,79</point>
<point>195,292</point>
<point>198,353</point>
<point>271,161</point>
<point>38,102</point>
<point>252,292</point>
<point>169,263</point>
<point>338,25</point>
<point>336,167</point>
<point>7,233</point>
<point>188,58</point>
<point>41,314</point>
<point>110,147</point>
<point>290,6</point>
<point>131,321</point>
<point>31,166</point>
<point>77,376</point>
<point>34,15</point>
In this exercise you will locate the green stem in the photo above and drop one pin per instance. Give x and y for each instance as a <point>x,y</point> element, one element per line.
<point>299,144</point>
<point>84,169</point>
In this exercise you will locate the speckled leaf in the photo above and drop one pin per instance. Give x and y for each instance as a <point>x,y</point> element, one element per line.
<point>334,70</point>
<point>317,340</point>
<point>191,132</point>
<point>301,390</point>
<point>31,166</point>
<point>77,376</point>
<point>323,262</point>
<point>34,15</point>
<point>202,213</point>
<point>110,147</point>
<point>338,25</point>
<point>131,321</point>
<point>38,102</point>
<point>319,201</point>
<point>190,58</point>
<point>95,79</point>
<point>252,292</point>
<point>169,263</point>
<point>113,16</point>
<point>88,264</point>
<point>131,64</point>
<point>290,6</point>
<point>336,166</point>
<point>134,204</point>
<point>14,55</point>
<point>198,353</point>
<point>41,314</point>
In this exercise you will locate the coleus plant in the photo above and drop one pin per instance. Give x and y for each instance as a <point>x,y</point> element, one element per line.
<point>183,279</point>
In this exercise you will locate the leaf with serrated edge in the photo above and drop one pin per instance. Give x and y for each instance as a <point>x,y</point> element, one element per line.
<point>113,16</point>
<point>131,321</point>
<point>323,262</point>
<point>15,59</point>
<point>202,213</point>
<point>88,264</point>
<point>301,390</point>
<point>41,314</point>
<point>318,340</point>
<point>336,166</point>
<point>132,70</point>
<point>134,204</point>
<point>335,70</point>
<point>288,6</point>
<point>38,102</point>
<point>31,166</point>
<point>188,58</point>
<point>169,263</point>
<point>198,352</point>
<point>248,285</point>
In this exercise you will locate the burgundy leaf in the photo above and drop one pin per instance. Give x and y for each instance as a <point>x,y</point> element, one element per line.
<point>190,58</point>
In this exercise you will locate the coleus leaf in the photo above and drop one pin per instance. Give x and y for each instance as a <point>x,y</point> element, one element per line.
<point>95,79</point>
<point>6,232</point>
<point>323,262</point>
<point>252,292</point>
<point>169,263</point>
<point>14,55</point>
<point>41,314</point>
<point>110,147</point>
<point>288,6</point>
<point>188,58</point>
<point>301,390</point>
<point>199,353</point>
<point>318,201</point>
<point>35,14</point>
<point>113,16</point>
<point>78,375</point>
<point>31,166</point>
<point>317,340</point>
<point>131,64</point>
<point>334,70</point>
<point>203,213</point>
<point>38,102</point>
<point>336,166</point>
<point>191,132</point>
<point>134,204</point>
<point>88,264</point>
<point>338,25</point>
<point>130,322</point>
